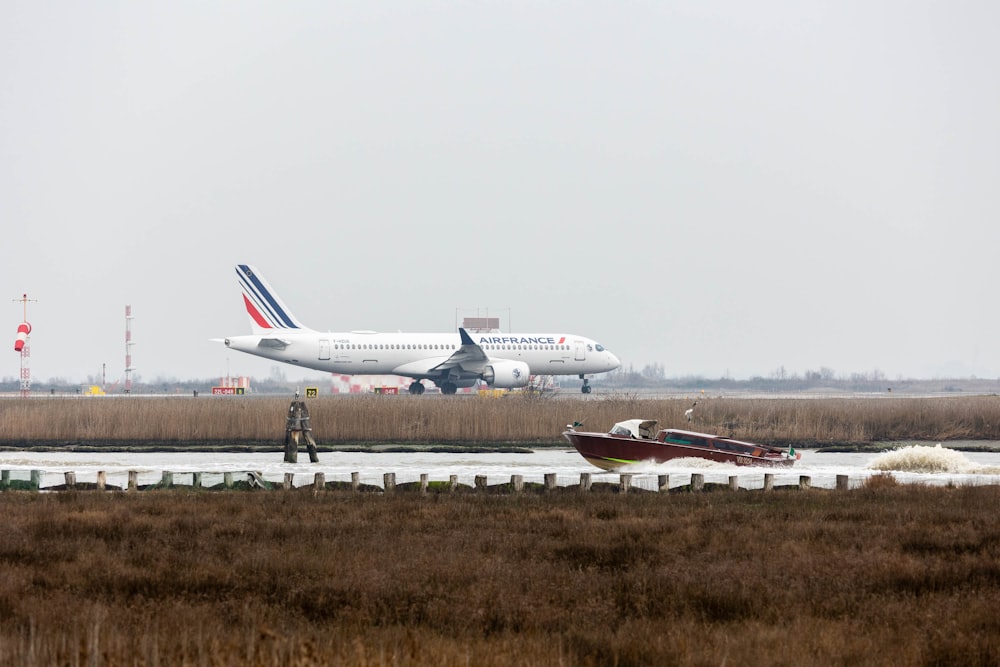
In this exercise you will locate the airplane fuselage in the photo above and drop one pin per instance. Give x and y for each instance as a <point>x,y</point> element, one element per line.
<point>369,353</point>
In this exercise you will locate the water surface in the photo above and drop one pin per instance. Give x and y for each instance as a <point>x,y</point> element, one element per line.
<point>923,464</point>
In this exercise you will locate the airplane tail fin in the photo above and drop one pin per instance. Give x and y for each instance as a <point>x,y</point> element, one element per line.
<point>268,313</point>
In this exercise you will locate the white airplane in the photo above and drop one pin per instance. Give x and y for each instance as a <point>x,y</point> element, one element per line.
<point>449,360</point>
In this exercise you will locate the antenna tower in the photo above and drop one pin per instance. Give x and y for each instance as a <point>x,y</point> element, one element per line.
<point>128,349</point>
<point>23,345</point>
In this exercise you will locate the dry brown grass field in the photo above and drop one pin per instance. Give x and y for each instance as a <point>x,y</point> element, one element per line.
<point>885,574</point>
<point>475,420</point>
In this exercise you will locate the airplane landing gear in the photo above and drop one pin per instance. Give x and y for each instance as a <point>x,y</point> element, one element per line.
<point>448,388</point>
<point>586,385</point>
<point>416,388</point>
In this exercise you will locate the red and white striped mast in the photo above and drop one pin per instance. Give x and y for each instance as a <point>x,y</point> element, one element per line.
<point>23,345</point>
<point>128,349</point>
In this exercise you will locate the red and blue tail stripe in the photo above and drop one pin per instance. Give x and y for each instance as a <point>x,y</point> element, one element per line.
<point>264,307</point>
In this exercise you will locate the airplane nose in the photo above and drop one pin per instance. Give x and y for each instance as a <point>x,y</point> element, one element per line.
<point>614,361</point>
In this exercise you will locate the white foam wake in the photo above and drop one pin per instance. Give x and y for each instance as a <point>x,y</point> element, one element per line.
<point>921,458</point>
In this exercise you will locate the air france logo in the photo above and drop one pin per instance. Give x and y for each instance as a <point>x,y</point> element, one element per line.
<point>516,373</point>
<point>521,340</point>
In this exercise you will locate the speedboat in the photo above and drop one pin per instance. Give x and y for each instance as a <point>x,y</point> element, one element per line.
<point>636,440</point>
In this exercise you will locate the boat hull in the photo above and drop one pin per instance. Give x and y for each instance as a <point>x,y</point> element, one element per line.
<point>610,452</point>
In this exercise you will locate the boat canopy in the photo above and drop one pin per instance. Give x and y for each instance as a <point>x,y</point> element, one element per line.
<point>635,428</point>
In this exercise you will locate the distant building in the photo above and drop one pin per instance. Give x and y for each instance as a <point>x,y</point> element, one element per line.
<point>481,324</point>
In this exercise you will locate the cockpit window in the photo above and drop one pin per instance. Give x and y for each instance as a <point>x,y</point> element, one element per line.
<point>600,348</point>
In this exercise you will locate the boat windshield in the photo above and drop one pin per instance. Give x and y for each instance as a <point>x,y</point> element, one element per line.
<point>642,429</point>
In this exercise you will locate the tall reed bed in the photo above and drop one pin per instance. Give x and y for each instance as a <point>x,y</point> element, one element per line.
<point>472,420</point>
<point>888,574</point>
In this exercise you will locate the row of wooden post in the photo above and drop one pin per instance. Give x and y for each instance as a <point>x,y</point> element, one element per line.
<point>389,481</point>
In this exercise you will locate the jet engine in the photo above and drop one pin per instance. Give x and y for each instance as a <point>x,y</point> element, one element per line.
<point>507,374</point>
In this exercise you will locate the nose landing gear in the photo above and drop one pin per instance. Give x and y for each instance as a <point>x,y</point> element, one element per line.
<point>586,385</point>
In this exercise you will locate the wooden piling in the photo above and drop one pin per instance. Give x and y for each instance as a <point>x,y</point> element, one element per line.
<point>5,478</point>
<point>289,481</point>
<point>585,482</point>
<point>70,478</point>
<point>102,480</point>
<point>480,482</point>
<point>36,479</point>
<point>297,428</point>
<point>805,482</point>
<point>319,482</point>
<point>227,480</point>
<point>843,483</point>
<point>697,481</point>
<point>167,480</point>
<point>389,482</point>
<point>550,481</point>
<point>517,483</point>
<point>355,481</point>
<point>769,481</point>
<point>624,482</point>
<point>734,483</point>
<point>663,483</point>
<point>452,482</point>
<point>133,480</point>
<point>423,483</point>
<point>196,480</point>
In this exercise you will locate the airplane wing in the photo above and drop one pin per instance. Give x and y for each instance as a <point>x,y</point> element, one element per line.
<point>469,357</point>
<point>465,366</point>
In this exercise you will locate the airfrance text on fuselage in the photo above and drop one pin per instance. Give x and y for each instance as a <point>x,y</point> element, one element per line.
<point>519,340</point>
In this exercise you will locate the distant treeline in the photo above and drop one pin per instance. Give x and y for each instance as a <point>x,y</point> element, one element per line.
<point>471,420</point>
<point>780,381</point>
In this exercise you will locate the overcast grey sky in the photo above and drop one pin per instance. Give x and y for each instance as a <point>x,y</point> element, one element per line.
<point>719,187</point>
